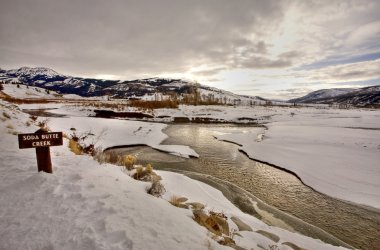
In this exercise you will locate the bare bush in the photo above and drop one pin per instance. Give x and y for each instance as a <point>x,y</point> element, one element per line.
<point>44,124</point>
<point>157,189</point>
<point>178,201</point>
<point>154,104</point>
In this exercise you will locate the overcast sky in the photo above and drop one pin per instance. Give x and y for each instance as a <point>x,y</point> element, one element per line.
<point>275,49</point>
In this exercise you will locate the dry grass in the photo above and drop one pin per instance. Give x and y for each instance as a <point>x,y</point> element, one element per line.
<point>144,173</point>
<point>100,156</point>
<point>171,104</point>
<point>157,189</point>
<point>215,230</point>
<point>149,168</point>
<point>127,161</point>
<point>120,105</point>
<point>33,118</point>
<point>215,223</point>
<point>43,124</point>
<point>75,147</point>
<point>25,101</point>
<point>138,172</point>
<point>178,201</point>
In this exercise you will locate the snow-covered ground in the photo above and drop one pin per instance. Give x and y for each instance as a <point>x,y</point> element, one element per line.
<point>85,205</point>
<point>23,91</point>
<point>112,133</point>
<point>334,151</point>
<point>30,92</point>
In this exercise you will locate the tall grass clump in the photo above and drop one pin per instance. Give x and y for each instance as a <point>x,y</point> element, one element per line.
<point>75,147</point>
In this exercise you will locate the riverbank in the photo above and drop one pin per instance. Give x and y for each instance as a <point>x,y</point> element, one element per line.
<point>276,187</point>
<point>333,151</point>
<point>347,121</point>
<point>90,206</point>
<point>273,186</point>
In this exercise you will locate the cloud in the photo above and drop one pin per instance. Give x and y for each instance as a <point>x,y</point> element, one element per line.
<point>360,71</point>
<point>249,44</point>
<point>286,94</point>
<point>133,37</point>
<point>208,72</point>
<point>263,62</point>
<point>368,34</point>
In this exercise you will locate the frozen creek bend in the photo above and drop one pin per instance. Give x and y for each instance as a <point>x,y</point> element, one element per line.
<point>353,224</point>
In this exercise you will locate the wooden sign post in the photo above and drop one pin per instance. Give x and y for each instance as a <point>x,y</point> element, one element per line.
<point>41,140</point>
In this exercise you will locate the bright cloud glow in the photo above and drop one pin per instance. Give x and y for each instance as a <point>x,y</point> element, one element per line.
<point>276,49</point>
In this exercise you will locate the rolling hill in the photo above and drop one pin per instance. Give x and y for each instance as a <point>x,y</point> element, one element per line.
<point>150,88</point>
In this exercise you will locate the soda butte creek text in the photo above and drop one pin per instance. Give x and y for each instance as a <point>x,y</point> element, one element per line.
<point>36,138</point>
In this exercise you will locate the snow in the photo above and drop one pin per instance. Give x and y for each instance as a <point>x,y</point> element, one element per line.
<point>325,93</point>
<point>334,151</point>
<point>32,72</point>
<point>72,96</point>
<point>24,91</point>
<point>85,205</point>
<point>31,92</point>
<point>336,154</point>
<point>182,186</point>
<point>112,133</point>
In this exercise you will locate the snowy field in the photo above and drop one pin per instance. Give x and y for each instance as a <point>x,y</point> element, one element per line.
<point>29,92</point>
<point>23,91</point>
<point>85,205</point>
<point>334,151</point>
<point>112,133</point>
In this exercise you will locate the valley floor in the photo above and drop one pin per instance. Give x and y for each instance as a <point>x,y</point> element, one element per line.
<point>87,205</point>
<point>334,151</point>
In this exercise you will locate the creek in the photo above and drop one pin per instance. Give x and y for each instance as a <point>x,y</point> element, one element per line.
<point>290,203</point>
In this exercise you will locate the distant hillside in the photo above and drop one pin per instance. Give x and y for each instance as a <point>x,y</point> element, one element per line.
<point>151,88</point>
<point>322,93</point>
<point>366,96</point>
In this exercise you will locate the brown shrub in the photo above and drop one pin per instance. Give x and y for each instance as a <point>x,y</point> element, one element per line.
<point>127,161</point>
<point>157,189</point>
<point>178,202</point>
<point>75,147</point>
<point>171,104</point>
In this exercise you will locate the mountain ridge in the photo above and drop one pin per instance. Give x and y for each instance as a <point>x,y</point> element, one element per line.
<point>128,89</point>
<point>365,96</point>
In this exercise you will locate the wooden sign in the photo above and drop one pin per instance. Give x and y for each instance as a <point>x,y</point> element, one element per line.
<point>41,140</point>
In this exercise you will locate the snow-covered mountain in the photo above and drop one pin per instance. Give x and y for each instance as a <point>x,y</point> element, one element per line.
<point>354,96</point>
<point>32,73</point>
<point>136,89</point>
<point>322,93</point>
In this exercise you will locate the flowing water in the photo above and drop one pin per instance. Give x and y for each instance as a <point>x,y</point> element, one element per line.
<point>279,197</point>
<point>353,224</point>
<point>222,165</point>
